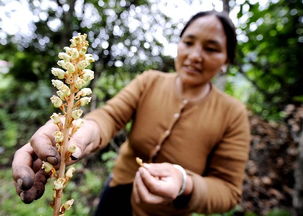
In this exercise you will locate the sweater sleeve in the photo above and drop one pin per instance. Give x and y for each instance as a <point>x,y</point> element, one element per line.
<point>116,113</point>
<point>219,190</point>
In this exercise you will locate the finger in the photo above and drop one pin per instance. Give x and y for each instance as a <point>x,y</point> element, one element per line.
<point>37,190</point>
<point>158,169</point>
<point>85,139</point>
<point>154,185</point>
<point>135,192</point>
<point>40,181</point>
<point>44,145</point>
<point>145,196</point>
<point>21,167</point>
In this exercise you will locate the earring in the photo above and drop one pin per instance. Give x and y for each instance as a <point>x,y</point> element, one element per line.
<point>223,69</point>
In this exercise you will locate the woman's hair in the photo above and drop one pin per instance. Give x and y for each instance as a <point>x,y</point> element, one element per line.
<point>229,30</point>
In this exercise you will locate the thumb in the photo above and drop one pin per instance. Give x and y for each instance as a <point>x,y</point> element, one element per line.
<point>85,140</point>
<point>158,169</point>
<point>42,143</point>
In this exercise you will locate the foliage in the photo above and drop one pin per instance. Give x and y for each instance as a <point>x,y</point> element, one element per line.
<point>270,54</point>
<point>84,188</point>
<point>122,46</point>
<point>123,39</point>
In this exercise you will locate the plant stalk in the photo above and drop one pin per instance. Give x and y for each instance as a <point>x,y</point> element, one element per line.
<point>67,125</point>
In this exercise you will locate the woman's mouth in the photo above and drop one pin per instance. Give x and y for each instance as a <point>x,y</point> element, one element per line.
<point>191,69</point>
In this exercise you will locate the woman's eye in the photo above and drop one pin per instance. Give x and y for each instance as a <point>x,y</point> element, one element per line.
<point>211,49</point>
<point>188,43</point>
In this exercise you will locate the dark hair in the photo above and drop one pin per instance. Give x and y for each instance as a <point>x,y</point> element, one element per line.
<point>229,29</point>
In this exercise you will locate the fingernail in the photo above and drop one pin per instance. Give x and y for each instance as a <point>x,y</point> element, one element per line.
<point>146,165</point>
<point>142,170</point>
<point>19,182</point>
<point>22,196</point>
<point>53,160</point>
<point>76,155</point>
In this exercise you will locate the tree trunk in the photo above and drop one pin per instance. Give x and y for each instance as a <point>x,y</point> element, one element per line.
<point>226,7</point>
<point>221,79</point>
<point>298,175</point>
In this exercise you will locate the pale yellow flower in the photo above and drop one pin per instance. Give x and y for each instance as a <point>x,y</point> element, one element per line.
<point>78,123</point>
<point>80,83</point>
<point>47,166</point>
<point>72,148</point>
<point>64,56</point>
<point>85,100</point>
<point>65,90</point>
<point>77,113</point>
<point>61,63</point>
<point>88,75</point>
<point>58,84</point>
<point>74,53</point>
<point>89,58</point>
<point>56,118</point>
<point>58,136</point>
<point>82,64</point>
<point>85,92</point>
<point>61,94</point>
<point>59,183</point>
<point>70,67</point>
<point>68,204</point>
<point>58,73</point>
<point>82,51</point>
<point>69,172</point>
<point>56,101</point>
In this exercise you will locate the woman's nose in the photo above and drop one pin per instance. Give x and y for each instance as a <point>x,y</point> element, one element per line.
<point>196,54</point>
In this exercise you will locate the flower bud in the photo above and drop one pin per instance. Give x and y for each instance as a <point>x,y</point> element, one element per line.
<point>72,148</point>
<point>77,113</point>
<point>56,101</point>
<point>70,67</point>
<point>89,58</point>
<point>80,83</point>
<point>59,183</point>
<point>85,92</point>
<point>47,167</point>
<point>58,72</point>
<point>82,51</point>
<point>61,95</point>
<point>85,100</point>
<point>69,172</point>
<point>58,136</point>
<point>73,43</point>
<point>74,53</point>
<point>67,50</point>
<point>64,56</point>
<point>67,205</point>
<point>65,90</point>
<point>56,118</point>
<point>88,75</point>
<point>58,84</point>
<point>78,123</point>
<point>61,63</point>
<point>82,64</point>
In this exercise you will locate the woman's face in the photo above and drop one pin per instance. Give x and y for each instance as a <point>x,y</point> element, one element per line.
<point>202,51</point>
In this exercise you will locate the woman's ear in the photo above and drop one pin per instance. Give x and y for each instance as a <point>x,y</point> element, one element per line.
<point>224,68</point>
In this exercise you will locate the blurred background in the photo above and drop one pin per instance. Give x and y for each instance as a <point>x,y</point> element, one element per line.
<point>128,37</point>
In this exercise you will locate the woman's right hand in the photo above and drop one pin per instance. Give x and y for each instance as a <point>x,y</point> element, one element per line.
<point>28,176</point>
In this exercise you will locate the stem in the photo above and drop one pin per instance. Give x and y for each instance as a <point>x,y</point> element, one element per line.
<point>67,125</point>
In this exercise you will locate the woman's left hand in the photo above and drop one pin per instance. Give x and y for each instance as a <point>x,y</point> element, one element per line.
<point>157,183</point>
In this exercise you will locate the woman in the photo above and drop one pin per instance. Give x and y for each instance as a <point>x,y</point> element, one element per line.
<point>193,138</point>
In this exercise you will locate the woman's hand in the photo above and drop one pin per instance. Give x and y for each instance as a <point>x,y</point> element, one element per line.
<point>158,183</point>
<point>29,178</point>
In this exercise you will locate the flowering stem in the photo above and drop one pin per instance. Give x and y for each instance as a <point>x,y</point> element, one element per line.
<point>67,126</point>
<point>71,95</point>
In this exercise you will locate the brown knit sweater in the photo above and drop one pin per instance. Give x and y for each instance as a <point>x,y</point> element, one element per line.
<point>209,138</point>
